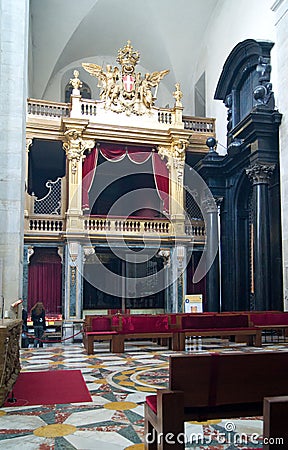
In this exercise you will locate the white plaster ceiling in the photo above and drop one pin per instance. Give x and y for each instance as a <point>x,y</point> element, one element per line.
<point>167,33</point>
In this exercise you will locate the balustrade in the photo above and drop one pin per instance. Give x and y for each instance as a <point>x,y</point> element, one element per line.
<point>46,225</point>
<point>199,124</point>
<point>165,116</point>
<point>114,226</point>
<point>45,108</point>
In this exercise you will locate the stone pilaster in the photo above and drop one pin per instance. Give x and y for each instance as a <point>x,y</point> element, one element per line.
<point>14,20</point>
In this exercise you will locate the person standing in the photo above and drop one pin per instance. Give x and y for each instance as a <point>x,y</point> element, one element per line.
<point>39,322</point>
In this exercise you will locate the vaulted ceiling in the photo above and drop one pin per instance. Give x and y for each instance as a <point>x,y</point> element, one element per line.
<point>167,33</point>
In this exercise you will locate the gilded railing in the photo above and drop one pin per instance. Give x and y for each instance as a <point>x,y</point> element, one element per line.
<point>40,225</point>
<point>99,225</point>
<point>165,116</point>
<point>45,108</point>
<point>44,224</point>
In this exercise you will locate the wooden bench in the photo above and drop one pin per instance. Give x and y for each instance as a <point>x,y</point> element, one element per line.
<point>275,432</point>
<point>205,325</point>
<point>145,326</point>
<point>99,328</point>
<point>270,321</point>
<point>213,386</point>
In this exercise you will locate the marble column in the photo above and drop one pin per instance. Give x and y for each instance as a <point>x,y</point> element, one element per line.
<point>14,20</point>
<point>178,275</point>
<point>259,174</point>
<point>211,252</point>
<point>73,281</point>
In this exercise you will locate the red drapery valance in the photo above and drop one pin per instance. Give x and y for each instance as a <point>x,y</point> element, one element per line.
<point>116,152</point>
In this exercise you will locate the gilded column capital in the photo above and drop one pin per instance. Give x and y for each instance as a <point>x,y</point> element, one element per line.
<point>260,173</point>
<point>179,148</point>
<point>75,146</point>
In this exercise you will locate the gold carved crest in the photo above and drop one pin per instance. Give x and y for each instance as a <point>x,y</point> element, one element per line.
<point>123,89</point>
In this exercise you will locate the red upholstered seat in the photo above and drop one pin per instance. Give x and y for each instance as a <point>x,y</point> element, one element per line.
<point>101,324</point>
<point>268,318</point>
<point>144,324</point>
<point>151,401</point>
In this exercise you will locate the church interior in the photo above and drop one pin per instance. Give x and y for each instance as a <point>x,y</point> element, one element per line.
<point>143,197</point>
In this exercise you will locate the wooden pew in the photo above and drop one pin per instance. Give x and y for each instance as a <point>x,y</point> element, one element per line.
<point>236,325</point>
<point>213,386</point>
<point>138,326</point>
<point>275,432</point>
<point>99,328</point>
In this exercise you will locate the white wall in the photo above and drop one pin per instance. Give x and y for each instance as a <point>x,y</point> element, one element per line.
<point>233,21</point>
<point>281,25</point>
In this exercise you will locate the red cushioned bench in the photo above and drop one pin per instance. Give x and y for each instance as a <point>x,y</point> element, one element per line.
<point>213,386</point>
<point>205,325</point>
<point>99,328</point>
<point>145,326</point>
<point>270,321</point>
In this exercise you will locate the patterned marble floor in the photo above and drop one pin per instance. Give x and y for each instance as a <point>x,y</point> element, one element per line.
<point>118,385</point>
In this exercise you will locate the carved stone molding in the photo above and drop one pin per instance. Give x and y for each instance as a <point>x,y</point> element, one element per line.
<point>73,250</point>
<point>209,204</point>
<point>60,251</point>
<point>260,173</point>
<point>89,255</point>
<point>75,146</point>
<point>165,254</point>
<point>30,252</point>
<point>28,144</point>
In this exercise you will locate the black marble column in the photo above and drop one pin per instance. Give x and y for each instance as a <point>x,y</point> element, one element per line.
<point>210,209</point>
<point>260,175</point>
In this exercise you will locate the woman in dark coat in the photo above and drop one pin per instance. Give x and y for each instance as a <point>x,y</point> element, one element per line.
<point>39,322</point>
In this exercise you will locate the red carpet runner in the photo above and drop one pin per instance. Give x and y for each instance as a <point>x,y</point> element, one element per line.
<point>49,388</point>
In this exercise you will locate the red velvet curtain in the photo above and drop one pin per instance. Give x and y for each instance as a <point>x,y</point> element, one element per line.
<point>117,152</point>
<point>138,155</point>
<point>113,152</point>
<point>161,177</point>
<point>88,173</point>
<point>45,285</point>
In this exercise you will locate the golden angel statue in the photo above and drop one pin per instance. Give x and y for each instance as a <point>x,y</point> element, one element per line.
<point>107,80</point>
<point>149,81</point>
